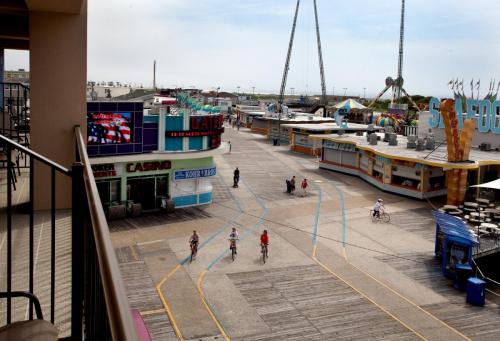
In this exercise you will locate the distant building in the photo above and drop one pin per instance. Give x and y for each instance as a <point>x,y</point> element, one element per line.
<point>19,76</point>
<point>95,91</point>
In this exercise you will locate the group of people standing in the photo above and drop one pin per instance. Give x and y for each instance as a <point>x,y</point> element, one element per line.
<point>234,122</point>
<point>290,186</point>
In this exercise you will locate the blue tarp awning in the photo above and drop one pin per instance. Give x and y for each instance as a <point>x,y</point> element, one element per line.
<point>454,226</point>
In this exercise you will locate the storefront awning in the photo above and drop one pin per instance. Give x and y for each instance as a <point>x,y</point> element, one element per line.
<point>493,185</point>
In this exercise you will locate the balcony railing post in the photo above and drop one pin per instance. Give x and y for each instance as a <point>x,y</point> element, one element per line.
<point>77,254</point>
<point>9,231</point>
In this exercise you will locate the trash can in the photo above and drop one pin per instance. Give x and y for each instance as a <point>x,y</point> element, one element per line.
<point>275,142</point>
<point>476,291</point>
<point>462,273</point>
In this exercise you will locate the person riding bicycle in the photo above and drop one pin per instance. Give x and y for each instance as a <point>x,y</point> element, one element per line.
<point>194,240</point>
<point>233,237</point>
<point>378,206</point>
<point>264,240</point>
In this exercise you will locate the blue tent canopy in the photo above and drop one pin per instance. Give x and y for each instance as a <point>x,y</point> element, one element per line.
<point>454,226</point>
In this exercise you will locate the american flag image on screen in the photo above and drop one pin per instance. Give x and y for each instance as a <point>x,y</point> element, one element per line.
<point>108,128</point>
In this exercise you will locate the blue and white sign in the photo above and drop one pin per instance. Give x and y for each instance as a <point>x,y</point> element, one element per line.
<point>194,173</point>
<point>485,112</point>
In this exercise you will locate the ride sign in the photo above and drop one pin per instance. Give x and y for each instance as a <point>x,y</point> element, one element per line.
<point>194,173</point>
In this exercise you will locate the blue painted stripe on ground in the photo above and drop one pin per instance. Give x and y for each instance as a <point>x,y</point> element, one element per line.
<point>342,205</point>
<point>220,230</point>
<point>248,232</point>
<point>316,218</point>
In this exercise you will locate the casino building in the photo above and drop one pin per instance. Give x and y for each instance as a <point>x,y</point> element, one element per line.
<point>148,162</point>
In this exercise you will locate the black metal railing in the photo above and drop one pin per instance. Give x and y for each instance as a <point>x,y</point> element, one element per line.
<point>99,305</point>
<point>15,116</point>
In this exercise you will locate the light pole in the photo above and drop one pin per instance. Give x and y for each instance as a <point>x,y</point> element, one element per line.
<point>345,91</point>
<point>238,99</point>
<point>291,90</point>
<point>217,96</point>
<point>253,90</point>
<point>364,93</point>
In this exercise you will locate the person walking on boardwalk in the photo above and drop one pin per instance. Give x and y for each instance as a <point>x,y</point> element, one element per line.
<point>304,185</point>
<point>292,184</point>
<point>236,177</point>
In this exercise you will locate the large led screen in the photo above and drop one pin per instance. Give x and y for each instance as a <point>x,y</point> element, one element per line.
<point>109,128</point>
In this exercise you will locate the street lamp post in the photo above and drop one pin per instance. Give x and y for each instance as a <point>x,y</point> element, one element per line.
<point>217,96</point>
<point>253,90</point>
<point>238,99</point>
<point>364,93</point>
<point>345,91</point>
<point>291,90</point>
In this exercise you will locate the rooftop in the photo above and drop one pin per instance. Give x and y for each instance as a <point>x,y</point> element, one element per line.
<point>437,157</point>
<point>300,119</point>
<point>328,126</point>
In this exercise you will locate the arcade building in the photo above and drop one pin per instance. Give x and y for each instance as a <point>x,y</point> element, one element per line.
<point>144,163</point>
<point>422,166</point>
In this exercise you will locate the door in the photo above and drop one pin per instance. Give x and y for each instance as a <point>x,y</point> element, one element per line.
<point>142,190</point>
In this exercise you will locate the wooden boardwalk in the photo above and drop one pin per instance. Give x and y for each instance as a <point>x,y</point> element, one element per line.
<point>306,303</point>
<point>479,323</point>
<point>142,294</point>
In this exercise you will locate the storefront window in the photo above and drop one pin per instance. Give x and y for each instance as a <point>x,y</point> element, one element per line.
<point>109,192</point>
<point>148,191</point>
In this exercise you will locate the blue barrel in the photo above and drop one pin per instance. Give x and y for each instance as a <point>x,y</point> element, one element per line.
<point>476,291</point>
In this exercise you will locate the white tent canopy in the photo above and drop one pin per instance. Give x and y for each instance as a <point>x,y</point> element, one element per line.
<point>349,104</point>
<point>493,184</point>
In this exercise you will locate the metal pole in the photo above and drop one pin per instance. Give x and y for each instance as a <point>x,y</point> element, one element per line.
<point>154,75</point>
<point>399,80</point>
<point>77,252</point>
<point>320,56</point>
<point>9,231</point>
<point>287,67</point>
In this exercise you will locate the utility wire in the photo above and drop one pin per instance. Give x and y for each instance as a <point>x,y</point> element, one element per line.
<point>322,236</point>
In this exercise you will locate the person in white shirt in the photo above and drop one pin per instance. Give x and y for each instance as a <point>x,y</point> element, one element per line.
<point>233,237</point>
<point>378,206</point>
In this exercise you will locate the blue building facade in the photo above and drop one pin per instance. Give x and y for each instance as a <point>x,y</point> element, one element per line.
<point>147,161</point>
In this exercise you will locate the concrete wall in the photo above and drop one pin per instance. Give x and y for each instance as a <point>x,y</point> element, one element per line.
<point>58,66</point>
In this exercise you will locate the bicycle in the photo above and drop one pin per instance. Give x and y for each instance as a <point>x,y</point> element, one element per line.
<point>233,249</point>
<point>194,251</point>
<point>383,216</point>
<point>264,252</point>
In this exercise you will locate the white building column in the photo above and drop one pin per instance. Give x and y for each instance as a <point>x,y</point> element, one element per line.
<point>162,119</point>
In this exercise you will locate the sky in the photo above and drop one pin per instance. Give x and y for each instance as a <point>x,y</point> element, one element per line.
<point>243,43</point>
